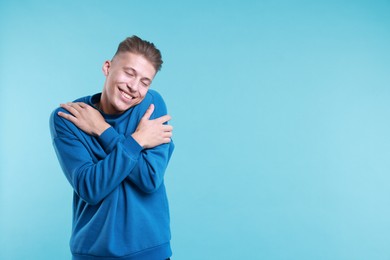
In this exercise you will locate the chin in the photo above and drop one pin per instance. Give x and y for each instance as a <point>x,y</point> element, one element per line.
<point>135,103</point>
<point>122,107</point>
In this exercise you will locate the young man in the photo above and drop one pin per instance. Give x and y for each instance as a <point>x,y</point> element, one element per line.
<point>114,148</point>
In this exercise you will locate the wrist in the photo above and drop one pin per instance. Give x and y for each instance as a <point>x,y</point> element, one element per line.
<point>100,129</point>
<point>138,139</point>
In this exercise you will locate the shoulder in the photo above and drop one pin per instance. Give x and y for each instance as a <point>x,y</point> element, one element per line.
<point>59,126</point>
<point>153,97</point>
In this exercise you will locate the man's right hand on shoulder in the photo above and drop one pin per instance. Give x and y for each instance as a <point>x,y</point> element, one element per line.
<point>85,117</point>
<point>153,132</point>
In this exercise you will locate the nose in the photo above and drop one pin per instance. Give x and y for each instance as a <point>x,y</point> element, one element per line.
<point>133,86</point>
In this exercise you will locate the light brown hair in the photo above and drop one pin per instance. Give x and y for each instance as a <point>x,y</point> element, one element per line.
<point>136,45</point>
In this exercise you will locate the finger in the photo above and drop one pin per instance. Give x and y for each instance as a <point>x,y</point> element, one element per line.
<point>166,140</point>
<point>81,104</point>
<point>148,112</point>
<point>168,134</point>
<point>78,105</point>
<point>163,119</point>
<point>67,116</point>
<point>167,128</point>
<point>70,108</point>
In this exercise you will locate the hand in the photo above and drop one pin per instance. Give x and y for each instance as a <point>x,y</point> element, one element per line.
<point>151,133</point>
<point>85,117</point>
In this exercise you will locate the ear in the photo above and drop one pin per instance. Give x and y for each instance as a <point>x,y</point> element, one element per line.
<point>106,67</point>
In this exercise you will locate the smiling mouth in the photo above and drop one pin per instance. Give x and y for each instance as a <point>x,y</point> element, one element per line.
<point>125,95</point>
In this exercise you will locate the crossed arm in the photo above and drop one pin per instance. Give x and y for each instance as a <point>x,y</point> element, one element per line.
<point>149,133</point>
<point>125,160</point>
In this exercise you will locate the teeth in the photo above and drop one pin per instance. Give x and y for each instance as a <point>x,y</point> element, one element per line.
<point>126,95</point>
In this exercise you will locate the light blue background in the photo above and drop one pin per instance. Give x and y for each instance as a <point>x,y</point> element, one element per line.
<point>281,116</point>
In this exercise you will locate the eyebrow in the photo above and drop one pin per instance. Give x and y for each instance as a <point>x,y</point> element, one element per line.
<point>130,68</point>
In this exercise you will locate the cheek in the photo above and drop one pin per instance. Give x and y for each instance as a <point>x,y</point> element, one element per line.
<point>122,78</point>
<point>108,88</point>
<point>116,78</point>
<point>143,91</point>
<point>111,89</point>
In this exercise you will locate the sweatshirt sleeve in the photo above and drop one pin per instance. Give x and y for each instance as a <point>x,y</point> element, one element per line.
<point>90,178</point>
<point>148,173</point>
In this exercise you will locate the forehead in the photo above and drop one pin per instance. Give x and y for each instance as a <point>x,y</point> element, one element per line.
<point>134,61</point>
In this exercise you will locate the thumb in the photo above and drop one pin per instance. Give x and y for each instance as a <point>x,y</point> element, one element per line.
<point>148,112</point>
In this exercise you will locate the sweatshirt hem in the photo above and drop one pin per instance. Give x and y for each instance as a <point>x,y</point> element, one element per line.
<point>159,252</point>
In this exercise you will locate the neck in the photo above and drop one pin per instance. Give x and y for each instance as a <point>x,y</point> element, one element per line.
<point>99,103</point>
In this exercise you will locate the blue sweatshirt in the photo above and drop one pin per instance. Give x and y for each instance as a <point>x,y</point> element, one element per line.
<point>120,207</point>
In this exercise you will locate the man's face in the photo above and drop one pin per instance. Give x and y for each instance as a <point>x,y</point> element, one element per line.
<point>128,77</point>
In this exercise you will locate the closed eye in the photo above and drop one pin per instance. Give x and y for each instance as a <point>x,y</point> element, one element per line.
<point>145,83</point>
<point>129,74</point>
